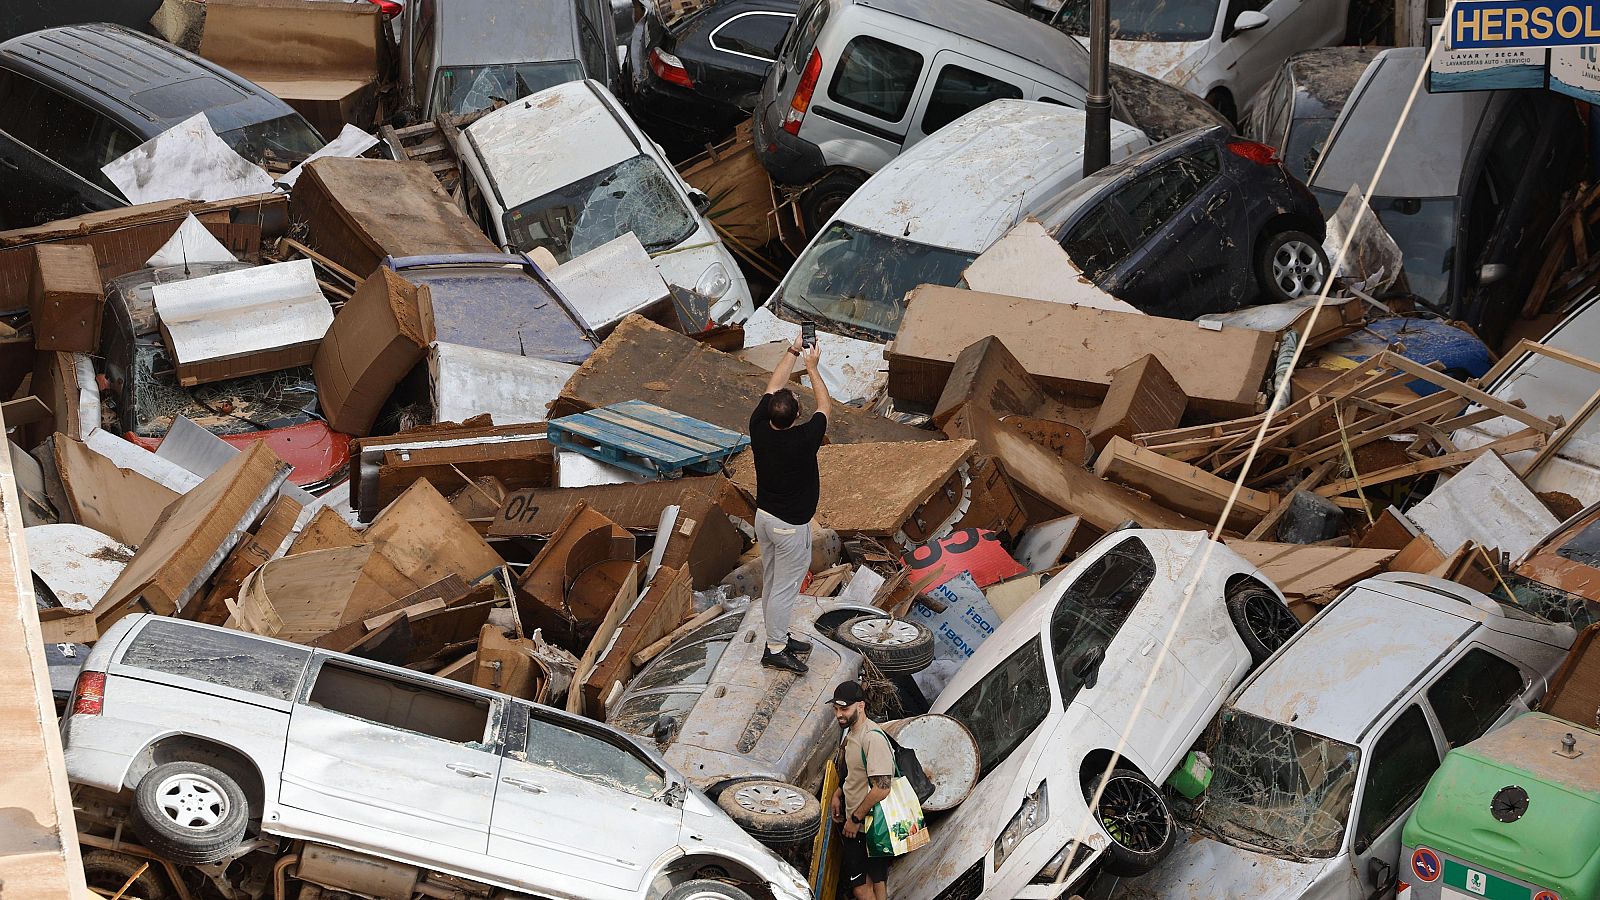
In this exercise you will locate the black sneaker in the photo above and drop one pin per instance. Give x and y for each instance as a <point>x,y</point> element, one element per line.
<point>794,646</point>
<point>783,660</point>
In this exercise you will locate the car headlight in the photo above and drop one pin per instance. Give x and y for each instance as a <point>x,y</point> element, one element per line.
<point>1035,810</point>
<point>791,882</point>
<point>714,281</point>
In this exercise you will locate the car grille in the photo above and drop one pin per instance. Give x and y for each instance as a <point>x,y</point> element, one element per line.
<point>966,887</point>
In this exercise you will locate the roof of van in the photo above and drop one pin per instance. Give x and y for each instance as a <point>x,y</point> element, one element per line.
<point>147,82</point>
<point>998,26</point>
<point>1337,677</point>
<point>1431,152</point>
<point>964,186</point>
<point>485,32</point>
<point>550,139</point>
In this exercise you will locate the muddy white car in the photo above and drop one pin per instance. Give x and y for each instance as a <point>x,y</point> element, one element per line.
<point>1050,693</point>
<point>400,783</point>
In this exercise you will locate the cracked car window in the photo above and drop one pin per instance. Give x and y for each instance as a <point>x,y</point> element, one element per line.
<point>1472,694</point>
<point>633,195</point>
<point>1007,705</point>
<point>1094,609</point>
<point>559,749</point>
<point>1278,788</point>
<point>228,658</point>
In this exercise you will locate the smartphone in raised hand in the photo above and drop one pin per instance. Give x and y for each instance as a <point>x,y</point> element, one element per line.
<point>808,334</point>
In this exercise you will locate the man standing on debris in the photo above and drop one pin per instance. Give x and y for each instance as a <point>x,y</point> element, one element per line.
<point>868,764</point>
<point>787,489</point>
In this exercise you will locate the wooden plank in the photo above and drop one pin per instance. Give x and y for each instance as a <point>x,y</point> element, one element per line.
<point>1313,574</point>
<point>1462,389</point>
<point>1337,448</point>
<point>654,650</point>
<point>620,605</point>
<point>1178,485</point>
<point>1522,440</point>
<point>678,423</point>
<point>660,432</point>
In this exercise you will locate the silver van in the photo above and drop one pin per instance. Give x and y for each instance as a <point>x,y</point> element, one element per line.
<point>463,56</point>
<point>396,777</point>
<point>857,81</point>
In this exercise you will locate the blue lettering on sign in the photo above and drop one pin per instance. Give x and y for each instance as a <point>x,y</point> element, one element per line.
<point>978,620</point>
<point>1504,24</point>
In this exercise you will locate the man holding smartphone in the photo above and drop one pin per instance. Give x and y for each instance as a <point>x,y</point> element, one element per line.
<point>788,486</point>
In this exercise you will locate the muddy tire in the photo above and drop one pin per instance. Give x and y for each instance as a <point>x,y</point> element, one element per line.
<point>1263,621</point>
<point>190,813</point>
<point>705,889</point>
<point>895,646</point>
<point>1138,821</point>
<point>1290,265</point>
<point>109,871</point>
<point>773,812</point>
<point>824,197</point>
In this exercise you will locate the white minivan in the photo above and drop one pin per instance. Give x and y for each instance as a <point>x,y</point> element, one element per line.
<point>566,169</point>
<point>922,219</point>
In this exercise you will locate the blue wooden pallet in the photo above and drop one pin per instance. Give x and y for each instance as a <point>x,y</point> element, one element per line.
<point>646,440</point>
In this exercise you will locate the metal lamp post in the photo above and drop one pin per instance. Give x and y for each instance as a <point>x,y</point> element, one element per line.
<point>1097,120</point>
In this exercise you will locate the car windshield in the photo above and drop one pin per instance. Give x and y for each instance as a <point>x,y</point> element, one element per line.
<point>1278,788</point>
<point>467,89</point>
<point>231,406</point>
<point>1145,20</point>
<point>859,279</point>
<point>1306,137</point>
<point>1006,706</point>
<point>633,195</point>
<point>287,139</point>
<point>1424,229</point>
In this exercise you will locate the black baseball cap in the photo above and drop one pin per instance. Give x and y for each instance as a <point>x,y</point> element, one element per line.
<point>848,692</point>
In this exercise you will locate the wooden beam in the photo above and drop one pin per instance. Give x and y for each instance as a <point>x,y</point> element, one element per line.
<point>1469,392</point>
<point>1526,439</point>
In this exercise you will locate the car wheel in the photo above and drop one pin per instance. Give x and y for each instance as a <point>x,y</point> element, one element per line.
<point>190,813</point>
<point>111,872</point>
<point>1136,817</point>
<point>773,812</point>
<point>1263,621</point>
<point>895,646</point>
<point>705,889</point>
<point>824,197</point>
<point>1290,265</point>
<point>1222,102</point>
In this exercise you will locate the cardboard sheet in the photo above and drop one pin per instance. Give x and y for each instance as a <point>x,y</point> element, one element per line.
<point>243,322</point>
<point>186,162</point>
<point>119,502</point>
<point>378,335</point>
<point>1028,262</point>
<point>1073,349</point>
<point>425,540</point>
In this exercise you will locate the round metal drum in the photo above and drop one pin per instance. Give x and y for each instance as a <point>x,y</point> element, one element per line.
<point>948,754</point>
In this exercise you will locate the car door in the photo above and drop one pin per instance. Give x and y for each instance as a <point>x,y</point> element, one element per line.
<point>958,85</point>
<point>1168,213</point>
<point>385,752</point>
<point>578,801</point>
<point>741,50</point>
<point>1401,760</point>
<point>1250,57</point>
<point>861,115</point>
<point>1478,692</point>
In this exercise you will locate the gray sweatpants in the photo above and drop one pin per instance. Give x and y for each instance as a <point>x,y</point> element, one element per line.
<point>785,560</point>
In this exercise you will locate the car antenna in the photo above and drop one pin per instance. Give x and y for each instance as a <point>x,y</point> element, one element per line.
<point>184,248</point>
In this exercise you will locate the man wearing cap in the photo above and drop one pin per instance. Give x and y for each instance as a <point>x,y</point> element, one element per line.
<point>788,486</point>
<point>868,769</point>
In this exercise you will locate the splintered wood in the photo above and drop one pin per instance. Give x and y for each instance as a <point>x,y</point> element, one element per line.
<point>1324,430</point>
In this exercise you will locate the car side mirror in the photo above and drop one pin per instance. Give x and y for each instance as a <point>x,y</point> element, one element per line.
<point>1086,668</point>
<point>1249,20</point>
<point>701,202</point>
<point>1380,873</point>
<point>1489,273</point>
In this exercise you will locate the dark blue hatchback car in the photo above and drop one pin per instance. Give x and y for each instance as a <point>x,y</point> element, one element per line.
<point>1201,222</point>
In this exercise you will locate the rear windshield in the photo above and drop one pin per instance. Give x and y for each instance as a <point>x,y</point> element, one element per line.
<point>227,658</point>
<point>466,89</point>
<point>286,140</point>
<point>803,36</point>
<point>1145,20</point>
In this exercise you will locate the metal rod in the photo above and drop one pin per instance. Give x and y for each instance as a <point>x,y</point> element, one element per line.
<point>1097,119</point>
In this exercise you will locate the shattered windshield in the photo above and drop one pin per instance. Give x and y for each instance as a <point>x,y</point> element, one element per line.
<point>286,139</point>
<point>1278,788</point>
<point>1424,228</point>
<point>1145,20</point>
<point>231,406</point>
<point>468,89</point>
<point>1007,705</point>
<point>633,195</point>
<point>859,279</point>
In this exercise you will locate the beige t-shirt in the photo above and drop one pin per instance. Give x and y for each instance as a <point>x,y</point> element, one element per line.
<point>880,761</point>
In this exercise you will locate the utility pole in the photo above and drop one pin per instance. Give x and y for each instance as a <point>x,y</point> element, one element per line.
<point>1097,120</point>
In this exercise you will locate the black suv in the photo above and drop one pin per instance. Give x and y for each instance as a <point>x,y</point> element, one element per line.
<point>73,99</point>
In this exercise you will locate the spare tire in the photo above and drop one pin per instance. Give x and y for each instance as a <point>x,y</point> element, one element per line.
<point>190,813</point>
<point>775,813</point>
<point>895,646</point>
<point>112,872</point>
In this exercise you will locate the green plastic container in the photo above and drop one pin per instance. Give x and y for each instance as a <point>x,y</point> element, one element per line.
<point>1192,776</point>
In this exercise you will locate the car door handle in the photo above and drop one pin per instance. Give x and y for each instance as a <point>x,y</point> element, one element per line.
<point>468,771</point>
<point>529,786</point>
<point>9,163</point>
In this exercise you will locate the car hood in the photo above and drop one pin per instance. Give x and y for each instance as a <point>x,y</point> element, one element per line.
<point>1202,867</point>
<point>1174,62</point>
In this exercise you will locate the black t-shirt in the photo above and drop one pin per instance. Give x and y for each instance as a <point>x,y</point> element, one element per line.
<point>787,483</point>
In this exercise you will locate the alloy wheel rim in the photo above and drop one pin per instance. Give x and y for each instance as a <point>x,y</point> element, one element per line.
<point>1133,816</point>
<point>1297,270</point>
<point>192,801</point>
<point>1269,621</point>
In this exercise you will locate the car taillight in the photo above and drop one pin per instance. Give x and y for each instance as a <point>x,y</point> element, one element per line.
<point>669,68</point>
<point>89,694</point>
<point>1261,154</point>
<point>389,8</point>
<point>803,89</point>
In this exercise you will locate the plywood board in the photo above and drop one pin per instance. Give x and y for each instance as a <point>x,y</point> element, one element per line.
<point>539,511</point>
<point>856,497</point>
<point>302,597</point>
<point>119,502</point>
<point>1073,349</point>
<point>644,361</point>
<point>67,300</point>
<point>425,540</point>
<point>1313,574</point>
<point>1143,396</point>
<point>1028,262</point>
<point>668,600</point>
<point>1488,504</point>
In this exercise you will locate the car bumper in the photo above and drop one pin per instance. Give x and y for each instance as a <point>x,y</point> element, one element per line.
<point>96,755</point>
<point>788,159</point>
<point>679,115</point>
